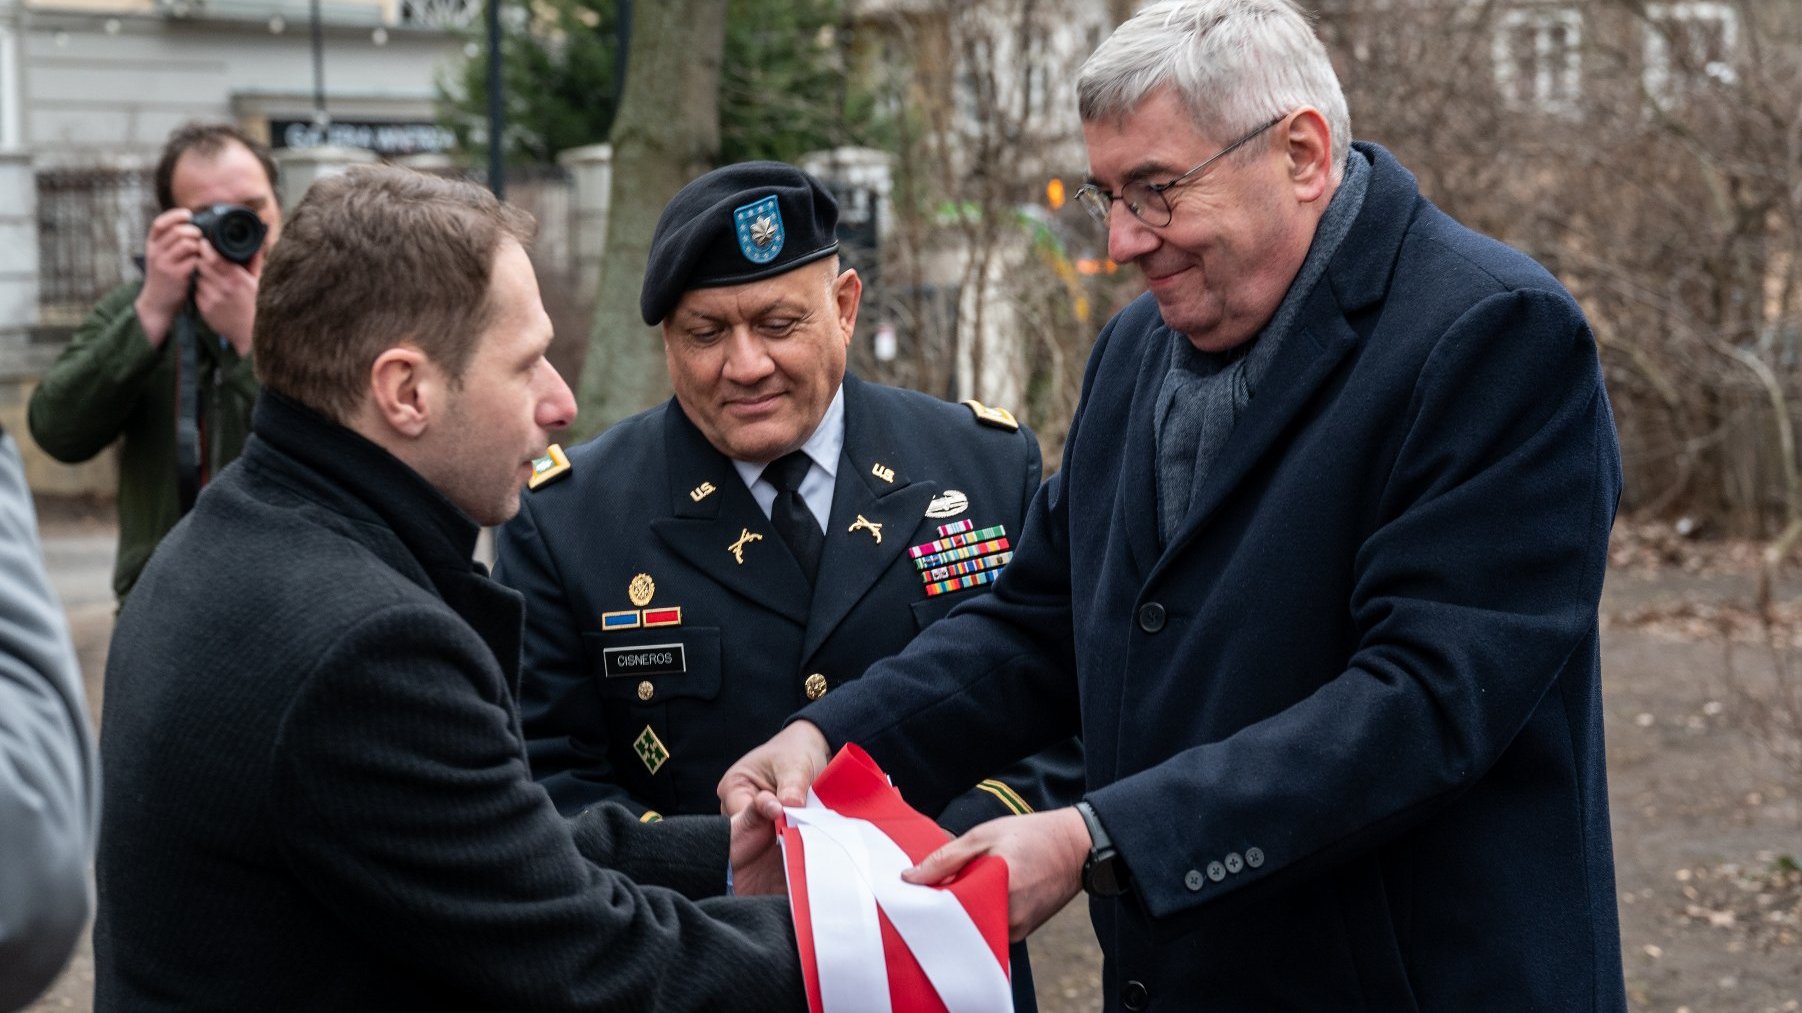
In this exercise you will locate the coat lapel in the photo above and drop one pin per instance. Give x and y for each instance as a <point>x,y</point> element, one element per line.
<point>1304,362</point>
<point>705,523</point>
<point>854,557</point>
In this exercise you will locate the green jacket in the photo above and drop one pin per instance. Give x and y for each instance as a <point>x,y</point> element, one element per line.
<point>109,382</point>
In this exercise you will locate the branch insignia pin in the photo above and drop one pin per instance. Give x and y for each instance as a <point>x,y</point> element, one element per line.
<point>864,524</point>
<point>745,537</point>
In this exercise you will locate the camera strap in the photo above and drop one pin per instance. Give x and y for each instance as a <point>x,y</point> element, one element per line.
<point>187,410</point>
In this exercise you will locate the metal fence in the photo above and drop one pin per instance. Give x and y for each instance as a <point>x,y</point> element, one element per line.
<point>91,227</point>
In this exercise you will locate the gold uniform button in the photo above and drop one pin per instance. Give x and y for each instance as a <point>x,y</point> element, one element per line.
<point>815,686</point>
<point>646,690</point>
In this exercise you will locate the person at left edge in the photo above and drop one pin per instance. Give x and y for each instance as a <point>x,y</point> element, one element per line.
<point>669,624</point>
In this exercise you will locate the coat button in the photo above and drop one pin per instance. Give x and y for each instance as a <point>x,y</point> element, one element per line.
<point>1234,863</point>
<point>1192,879</point>
<point>1216,871</point>
<point>646,690</point>
<point>1151,617</point>
<point>1254,857</point>
<point>1135,996</point>
<point>815,686</point>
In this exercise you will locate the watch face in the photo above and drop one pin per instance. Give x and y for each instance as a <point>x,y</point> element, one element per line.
<point>1103,876</point>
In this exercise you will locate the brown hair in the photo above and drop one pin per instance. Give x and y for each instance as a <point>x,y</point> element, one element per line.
<point>206,140</point>
<point>373,258</point>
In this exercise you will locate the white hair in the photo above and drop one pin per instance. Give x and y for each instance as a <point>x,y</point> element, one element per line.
<point>1236,64</point>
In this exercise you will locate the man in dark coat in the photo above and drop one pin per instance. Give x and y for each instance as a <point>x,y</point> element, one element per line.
<point>660,539</point>
<point>1317,580</point>
<point>321,791</point>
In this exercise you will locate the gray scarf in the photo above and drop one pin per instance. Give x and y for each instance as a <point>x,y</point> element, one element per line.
<point>1205,394</point>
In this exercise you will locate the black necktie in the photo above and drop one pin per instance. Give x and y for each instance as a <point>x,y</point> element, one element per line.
<point>793,521</point>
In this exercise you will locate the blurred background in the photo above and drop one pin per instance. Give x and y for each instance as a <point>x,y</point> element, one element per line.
<point>1650,154</point>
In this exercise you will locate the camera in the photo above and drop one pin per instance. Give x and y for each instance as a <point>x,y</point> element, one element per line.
<point>233,229</point>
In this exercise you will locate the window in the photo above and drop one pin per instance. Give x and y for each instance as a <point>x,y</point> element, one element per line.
<point>1538,59</point>
<point>1688,45</point>
<point>440,13</point>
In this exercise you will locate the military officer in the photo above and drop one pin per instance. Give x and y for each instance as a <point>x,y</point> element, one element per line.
<point>705,568</point>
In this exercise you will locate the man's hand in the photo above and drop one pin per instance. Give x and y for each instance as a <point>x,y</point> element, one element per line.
<point>171,256</point>
<point>1044,854</point>
<point>775,774</point>
<point>226,295</point>
<point>756,858</point>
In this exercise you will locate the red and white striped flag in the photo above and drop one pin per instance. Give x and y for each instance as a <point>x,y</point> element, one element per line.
<point>871,943</point>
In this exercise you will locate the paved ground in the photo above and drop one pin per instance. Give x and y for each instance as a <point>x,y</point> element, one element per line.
<point>1707,821</point>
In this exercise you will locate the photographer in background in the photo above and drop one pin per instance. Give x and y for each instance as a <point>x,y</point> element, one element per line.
<point>165,362</point>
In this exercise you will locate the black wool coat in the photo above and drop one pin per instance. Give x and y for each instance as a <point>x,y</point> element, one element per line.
<point>318,795</point>
<point>1346,727</point>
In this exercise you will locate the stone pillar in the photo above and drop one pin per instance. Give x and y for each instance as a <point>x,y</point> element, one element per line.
<point>590,171</point>
<point>20,363</point>
<point>990,336</point>
<point>12,77</point>
<point>301,166</point>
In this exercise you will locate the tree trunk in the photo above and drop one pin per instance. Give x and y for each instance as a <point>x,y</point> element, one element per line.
<point>667,133</point>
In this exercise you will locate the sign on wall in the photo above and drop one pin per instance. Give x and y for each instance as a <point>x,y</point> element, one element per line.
<point>383,138</point>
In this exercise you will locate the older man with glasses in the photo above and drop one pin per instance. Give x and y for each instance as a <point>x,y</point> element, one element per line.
<point>1317,579</point>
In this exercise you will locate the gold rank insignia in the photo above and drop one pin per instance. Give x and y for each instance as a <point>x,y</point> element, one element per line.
<point>552,465</point>
<point>884,472</point>
<point>864,524</point>
<point>701,492</point>
<point>1000,418</point>
<point>650,749</point>
<point>641,589</point>
<point>745,537</point>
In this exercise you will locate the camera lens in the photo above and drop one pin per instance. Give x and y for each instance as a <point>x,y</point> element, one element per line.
<point>233,229</point>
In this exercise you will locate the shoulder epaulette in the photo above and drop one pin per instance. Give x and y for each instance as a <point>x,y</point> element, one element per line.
<point>552,466</point>
<point>1000,418</point>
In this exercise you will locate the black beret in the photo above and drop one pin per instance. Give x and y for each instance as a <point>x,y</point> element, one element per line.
<point>737,223</point>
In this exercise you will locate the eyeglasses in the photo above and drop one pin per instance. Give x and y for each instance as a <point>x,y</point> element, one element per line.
<point>1145,200</point>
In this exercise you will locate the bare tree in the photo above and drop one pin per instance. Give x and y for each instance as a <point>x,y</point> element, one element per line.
<point>667,133</point>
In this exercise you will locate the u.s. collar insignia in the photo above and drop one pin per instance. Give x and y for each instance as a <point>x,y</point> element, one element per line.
<point>950,504</point>
<point>550,466</point>
<point>760,231</point>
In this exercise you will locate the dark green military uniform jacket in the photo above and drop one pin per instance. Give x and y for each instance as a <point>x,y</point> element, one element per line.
<point>110,383</point>
<point>669,630</point>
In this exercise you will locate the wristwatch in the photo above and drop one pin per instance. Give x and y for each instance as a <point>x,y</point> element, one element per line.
<point>1104,871</point>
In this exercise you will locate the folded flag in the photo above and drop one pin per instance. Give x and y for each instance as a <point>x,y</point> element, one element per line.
<point>870,942</point>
